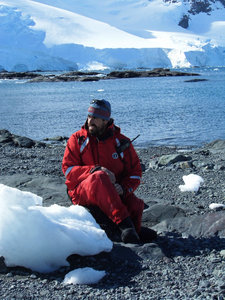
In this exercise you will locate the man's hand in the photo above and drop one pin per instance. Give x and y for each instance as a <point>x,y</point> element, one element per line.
<point>112,178</point>
<point>110,174</point>
<point>119,189</point>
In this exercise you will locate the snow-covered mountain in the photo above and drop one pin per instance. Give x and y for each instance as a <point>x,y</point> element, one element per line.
<point>115,34</point>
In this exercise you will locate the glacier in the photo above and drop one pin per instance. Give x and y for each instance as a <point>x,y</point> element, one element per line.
<point>63,35</point>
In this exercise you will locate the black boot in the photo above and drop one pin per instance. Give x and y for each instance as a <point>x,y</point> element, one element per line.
<point>147,235</point>
<point>128,232</point>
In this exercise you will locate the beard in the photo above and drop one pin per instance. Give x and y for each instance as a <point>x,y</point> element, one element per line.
<point>93,130</point>
<point>96,131</point>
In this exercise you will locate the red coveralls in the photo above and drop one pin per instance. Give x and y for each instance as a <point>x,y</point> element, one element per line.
<point>85,187</point>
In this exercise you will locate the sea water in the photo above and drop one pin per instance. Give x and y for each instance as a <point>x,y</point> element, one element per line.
<point>163,110</point>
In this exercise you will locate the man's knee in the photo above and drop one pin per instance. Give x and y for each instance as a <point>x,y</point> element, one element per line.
<point>99,174</point>
<point>99,177</point>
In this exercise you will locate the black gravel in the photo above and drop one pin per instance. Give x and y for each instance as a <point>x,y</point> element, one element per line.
<point>174,267</point>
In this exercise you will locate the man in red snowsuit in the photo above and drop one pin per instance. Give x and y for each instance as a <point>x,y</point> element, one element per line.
<point>98,173</point>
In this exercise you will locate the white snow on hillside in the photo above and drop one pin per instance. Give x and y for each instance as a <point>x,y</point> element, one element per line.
<point>66,35</point>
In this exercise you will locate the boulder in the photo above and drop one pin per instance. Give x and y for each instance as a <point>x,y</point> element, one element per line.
<point>22,141</point>
<point>51,189</point>
<point>3,267</point>
<point>167,160</point>
<point>184,22</point>
<point>170,159</point>
<point>207,225</point>
<point>217,146</point>
<point>57,139</point>
<point>7,138</point>
<point>159,212</point>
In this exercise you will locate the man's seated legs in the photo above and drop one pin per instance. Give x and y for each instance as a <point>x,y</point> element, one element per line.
<point>98,190</point>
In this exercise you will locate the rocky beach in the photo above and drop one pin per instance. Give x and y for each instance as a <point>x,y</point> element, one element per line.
<point>187,261</point>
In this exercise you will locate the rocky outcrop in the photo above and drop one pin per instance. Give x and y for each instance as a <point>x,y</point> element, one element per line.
<point>197,7</point>
<point>92,76</point>
<point>184,22</point>
<point>202,6</point>
<point>196,80</point>
<point>217,146</point>
<point>9,139</point>
<point>204,226</point>
<point>18,75</point>
<point>3,267</point>
<point>176,161</point>
<point>158,213</point>
<point>157,72</point>
<point>48,188</point>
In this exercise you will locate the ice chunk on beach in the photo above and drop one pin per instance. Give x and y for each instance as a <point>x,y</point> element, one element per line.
<point>192,183</point>
<point>41,238</point>
<point>83,276</point>
<point>216,206</point>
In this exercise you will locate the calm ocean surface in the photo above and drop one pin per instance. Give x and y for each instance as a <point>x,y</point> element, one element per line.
<point>164,111</point>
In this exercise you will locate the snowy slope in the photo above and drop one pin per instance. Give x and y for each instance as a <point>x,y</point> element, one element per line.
<point>66,34</point>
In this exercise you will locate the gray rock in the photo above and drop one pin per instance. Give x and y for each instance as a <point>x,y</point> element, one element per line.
<point>217,146</point>
<point>167,160</point>
<point>154,164</point>
<point>52,190</point>
<point>133,254</point>
<point>7,138</point>
<point>149,252</point>
<point>57,139</point>
<point>207,225</point>
<point>184,22</point>
<point>170,160</point>
<point>186,165</point>
<point>160,212</point>
<point>22,141</point>
<point>3,268</point>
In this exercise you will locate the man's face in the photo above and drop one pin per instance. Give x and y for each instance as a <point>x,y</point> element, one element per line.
<point>96,126</point>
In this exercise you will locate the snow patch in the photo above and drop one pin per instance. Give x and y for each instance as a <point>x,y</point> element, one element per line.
<point>83,276</point>
<point>192,183</point>
<point>215,206</point>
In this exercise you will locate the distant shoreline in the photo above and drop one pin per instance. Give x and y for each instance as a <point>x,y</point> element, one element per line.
<point>11,139</point>
<point>92,76</point>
